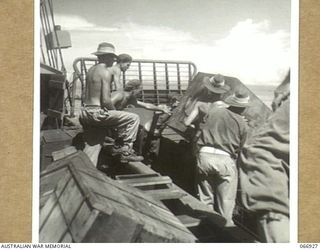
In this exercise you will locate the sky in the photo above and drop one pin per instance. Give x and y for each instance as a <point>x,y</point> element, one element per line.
<point>247,39</point>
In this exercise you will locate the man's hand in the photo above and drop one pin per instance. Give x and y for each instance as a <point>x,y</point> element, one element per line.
<point>165,109</point>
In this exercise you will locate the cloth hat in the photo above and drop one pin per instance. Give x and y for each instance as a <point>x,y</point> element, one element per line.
<point>238,99</point>
<point>216,84</point>
<point>132,84</point>
<point>105,48</point>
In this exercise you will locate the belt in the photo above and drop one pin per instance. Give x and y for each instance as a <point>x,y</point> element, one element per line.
<point>212,150</point>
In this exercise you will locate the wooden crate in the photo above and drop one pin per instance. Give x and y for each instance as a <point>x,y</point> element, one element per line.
<point>56,170</point>
<point>84,205</point>
<point>51,141</point>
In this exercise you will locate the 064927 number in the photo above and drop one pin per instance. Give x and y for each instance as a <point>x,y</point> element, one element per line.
<point>309,245</point>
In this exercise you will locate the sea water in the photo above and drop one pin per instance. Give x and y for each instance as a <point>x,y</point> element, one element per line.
<point>263,92</point>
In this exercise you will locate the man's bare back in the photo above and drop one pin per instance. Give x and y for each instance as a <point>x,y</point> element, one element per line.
<point>98,86</point>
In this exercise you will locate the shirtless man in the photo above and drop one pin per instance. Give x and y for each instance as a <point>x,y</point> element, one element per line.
<point>99,111</point>
<point>116,69</point>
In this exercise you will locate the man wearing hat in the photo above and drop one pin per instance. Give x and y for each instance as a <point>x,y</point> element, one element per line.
<point>106,54</point>
<point>99,111</point>
<point>209,95</point>
<point>221,136</point>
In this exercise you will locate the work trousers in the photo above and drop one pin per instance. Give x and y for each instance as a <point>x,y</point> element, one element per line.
<point>274,227</point>
<point>126,124</point>
<point>217,181</point>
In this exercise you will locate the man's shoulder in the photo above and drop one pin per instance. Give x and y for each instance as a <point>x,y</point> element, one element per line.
<point>114,69</point>
<point>99,70</point>
<point>117,93</point>
<point>97,67</point>
<point>239,118</point>
<point>217,110</point>
<point>225,112</point>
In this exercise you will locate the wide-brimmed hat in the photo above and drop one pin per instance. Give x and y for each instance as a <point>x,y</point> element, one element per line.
<point>216,84</point>
<point>238,99</point>
<point>105,48</point>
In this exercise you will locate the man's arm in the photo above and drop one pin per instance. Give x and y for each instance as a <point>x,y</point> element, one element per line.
<point>106,94</point>
<point>152,107</point>
<point>116,78</point>
<point>199,108</point>
<point>116,97</point>
<point>243,136</point>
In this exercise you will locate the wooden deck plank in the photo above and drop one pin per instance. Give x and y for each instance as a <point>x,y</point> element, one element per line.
<point>135,176</point>
<point>55,135</point>
<point>59,154</point>
<point>189,221</point>
<point>148,181</point>
<point>165,194</point>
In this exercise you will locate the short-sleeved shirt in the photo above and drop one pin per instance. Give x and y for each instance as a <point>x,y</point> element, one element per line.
<point>223,129</point>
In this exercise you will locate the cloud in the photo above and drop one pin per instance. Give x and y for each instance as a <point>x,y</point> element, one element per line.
<point>251,51</point>
<point>73,22</point>
<point>156,34</point>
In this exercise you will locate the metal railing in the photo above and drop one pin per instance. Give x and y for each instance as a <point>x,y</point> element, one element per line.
<point>49,56</point>
<point>159,78</point>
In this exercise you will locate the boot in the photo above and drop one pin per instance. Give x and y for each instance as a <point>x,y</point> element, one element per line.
<point>125,152</point>
<point>119,150</point>
<point>130,157</point>
<point>108,141</point>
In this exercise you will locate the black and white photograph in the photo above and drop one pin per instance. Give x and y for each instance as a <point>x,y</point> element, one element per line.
<point>165,121</point>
